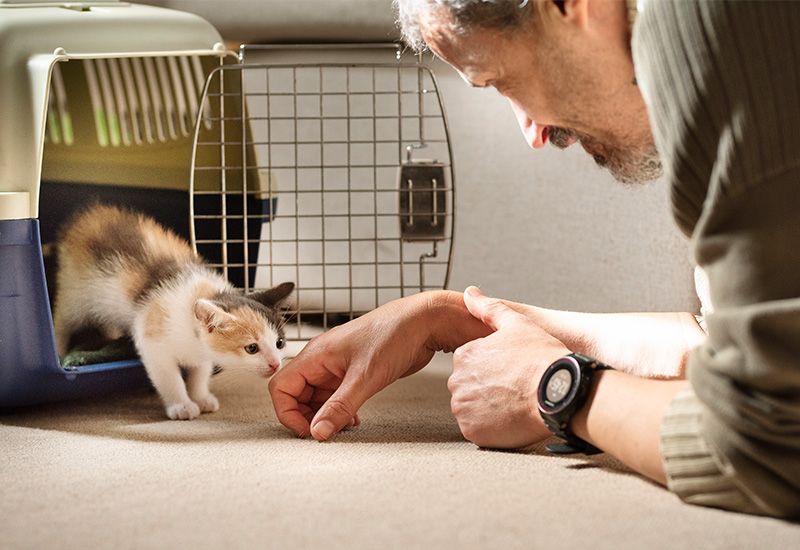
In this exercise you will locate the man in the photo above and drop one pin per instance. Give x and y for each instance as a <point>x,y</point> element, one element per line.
<point>715,86</point>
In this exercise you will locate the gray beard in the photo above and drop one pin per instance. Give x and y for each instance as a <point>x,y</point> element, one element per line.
<point>627,167</point>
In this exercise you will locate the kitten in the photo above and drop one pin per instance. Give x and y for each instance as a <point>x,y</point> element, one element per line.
<point>126,275</point>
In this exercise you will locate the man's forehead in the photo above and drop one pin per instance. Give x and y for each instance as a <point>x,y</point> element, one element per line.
<point>470,54</point>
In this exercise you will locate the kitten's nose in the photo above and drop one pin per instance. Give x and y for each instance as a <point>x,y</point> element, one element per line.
<point>268,369</point>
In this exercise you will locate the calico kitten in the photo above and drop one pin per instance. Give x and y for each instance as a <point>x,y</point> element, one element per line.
<point>126,275</point>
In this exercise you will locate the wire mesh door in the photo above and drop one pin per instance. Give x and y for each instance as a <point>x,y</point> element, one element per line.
<point>337,177</point>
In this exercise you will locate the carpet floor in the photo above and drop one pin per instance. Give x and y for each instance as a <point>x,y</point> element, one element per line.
<point>115,473</point>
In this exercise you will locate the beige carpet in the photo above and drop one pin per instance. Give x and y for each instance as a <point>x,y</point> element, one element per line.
<point>116,474</point>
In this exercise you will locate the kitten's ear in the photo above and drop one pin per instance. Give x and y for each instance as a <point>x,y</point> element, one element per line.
<point>273,296</point>
<point>211,315</point>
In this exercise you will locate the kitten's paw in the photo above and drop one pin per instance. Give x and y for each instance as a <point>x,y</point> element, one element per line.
<point>61,345</point>
<point>183,411</point>
<point>208,403</point>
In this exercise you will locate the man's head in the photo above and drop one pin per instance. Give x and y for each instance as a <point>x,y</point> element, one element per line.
<point>564,65</point>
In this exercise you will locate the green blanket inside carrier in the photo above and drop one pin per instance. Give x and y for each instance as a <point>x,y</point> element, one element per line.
<point>90,348</point>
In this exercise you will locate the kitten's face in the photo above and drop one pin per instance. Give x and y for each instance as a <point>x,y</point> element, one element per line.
<point>242,335</point>
<point>248,341</point>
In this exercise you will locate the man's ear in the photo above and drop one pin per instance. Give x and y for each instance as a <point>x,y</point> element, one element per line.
<point>575,12</point>
<point>211,315</point>
<point>274,296</point>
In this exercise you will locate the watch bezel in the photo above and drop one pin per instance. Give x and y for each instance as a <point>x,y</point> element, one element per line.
<point>570,363</point>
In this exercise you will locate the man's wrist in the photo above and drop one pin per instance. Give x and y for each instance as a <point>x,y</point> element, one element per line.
<point>452,325</point>
<point>578,423</point>
<point>622,416</point>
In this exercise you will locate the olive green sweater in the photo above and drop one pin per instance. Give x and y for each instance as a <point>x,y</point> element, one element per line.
<point>722,83</point>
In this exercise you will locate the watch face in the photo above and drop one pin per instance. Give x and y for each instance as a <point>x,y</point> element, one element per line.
<point>558,386</point>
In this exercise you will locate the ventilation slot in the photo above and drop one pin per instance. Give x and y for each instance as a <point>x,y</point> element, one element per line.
<point>140,100</point>
<point>59,121</point>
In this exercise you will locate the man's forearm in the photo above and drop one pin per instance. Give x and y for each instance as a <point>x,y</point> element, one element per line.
<point>622,416</point>
<point>644,344</point>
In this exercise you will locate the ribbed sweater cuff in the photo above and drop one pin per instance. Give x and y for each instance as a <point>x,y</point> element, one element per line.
<point>693,471</point>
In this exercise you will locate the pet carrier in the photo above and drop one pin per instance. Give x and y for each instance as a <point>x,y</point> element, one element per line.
<point>329,167</point>
<point>333,151</point>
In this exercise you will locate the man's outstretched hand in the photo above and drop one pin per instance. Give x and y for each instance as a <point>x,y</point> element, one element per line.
<point>321,390</point>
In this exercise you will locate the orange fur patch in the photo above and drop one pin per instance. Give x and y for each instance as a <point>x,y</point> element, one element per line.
<point>156,320</point>
<point>92,227</point>
<point>246,329</point>
<point>142,251</point>
<point>204,289</point>
<point>132,282</point>
<point>162,243</point>
<point>84,229</point>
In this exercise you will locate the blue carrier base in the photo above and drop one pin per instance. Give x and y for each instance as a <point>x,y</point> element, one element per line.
<point>30,371</point>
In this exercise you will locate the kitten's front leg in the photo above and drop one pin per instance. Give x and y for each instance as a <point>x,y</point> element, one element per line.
<point>198,380</point>
<point>165,374</point>
<point>64,325</point>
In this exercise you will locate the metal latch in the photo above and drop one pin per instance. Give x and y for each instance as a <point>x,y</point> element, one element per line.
<point>423,200</point>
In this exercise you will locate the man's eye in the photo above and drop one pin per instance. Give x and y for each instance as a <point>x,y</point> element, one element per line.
<point>252,349</point>
<point>281,343</point>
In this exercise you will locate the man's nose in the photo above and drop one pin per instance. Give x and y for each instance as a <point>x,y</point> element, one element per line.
<point>535,136</point>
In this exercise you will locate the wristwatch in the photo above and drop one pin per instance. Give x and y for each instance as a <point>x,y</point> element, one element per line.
<point>563,390</point>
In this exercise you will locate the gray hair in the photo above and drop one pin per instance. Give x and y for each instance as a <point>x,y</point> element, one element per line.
<point>464,15</point>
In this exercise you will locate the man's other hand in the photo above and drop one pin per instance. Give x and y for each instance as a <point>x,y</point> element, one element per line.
<point>495,378</point>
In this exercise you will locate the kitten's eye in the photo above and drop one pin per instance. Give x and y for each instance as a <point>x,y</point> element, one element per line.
<point>281,343</point>
<point>252,349</point>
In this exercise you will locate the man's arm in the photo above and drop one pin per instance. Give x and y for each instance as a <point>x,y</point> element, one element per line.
<point>623,417</point>
<point>341,369</point>
<point>653,345</point>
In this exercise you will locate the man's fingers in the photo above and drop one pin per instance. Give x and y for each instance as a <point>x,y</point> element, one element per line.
<point>310,397</point>
<point>319,396</point>
<point>342,407</point>
<point>306,395</point>
<point>290,412</point>
<point>290,392</point>
<point>295,420</point>
<point>307,412</point>
<point>491,311</point>
<point>334,415</point>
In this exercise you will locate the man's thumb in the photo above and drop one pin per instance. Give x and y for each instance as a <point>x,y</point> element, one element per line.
<point>338,411</point>
<point>491,311</point>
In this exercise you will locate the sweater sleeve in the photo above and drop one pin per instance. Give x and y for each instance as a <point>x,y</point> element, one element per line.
<point>720,80</point>
<point>747,374</point>
<point>695,472</point>
<point>734,440</point>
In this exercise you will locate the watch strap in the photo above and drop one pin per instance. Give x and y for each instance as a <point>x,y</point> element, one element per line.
<point>565,448</point>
